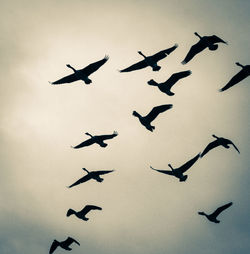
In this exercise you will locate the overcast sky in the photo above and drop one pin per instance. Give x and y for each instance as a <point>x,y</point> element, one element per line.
<point>144,212</point>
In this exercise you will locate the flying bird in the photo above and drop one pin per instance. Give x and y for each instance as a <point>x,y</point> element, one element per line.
<point>219,142</point>
<point>64,244</point>
<point>213,216</point>
<point>209,42</point>
<point>178,172</point>
<point>95,175</point>
<point>82,74</point>
<point>166,86</point>
<point>96,139</point>
<point>82,214</point>
<point>146,120</point>
<point>150,60</point>
<point>242,74</point>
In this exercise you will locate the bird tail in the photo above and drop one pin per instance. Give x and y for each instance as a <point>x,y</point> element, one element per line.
<point>136,114</point>
<point>151,82</point>
<point>70,212</point>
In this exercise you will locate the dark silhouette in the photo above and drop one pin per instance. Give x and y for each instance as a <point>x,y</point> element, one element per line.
<point>95,175</point>
<point>244,73</point>
<point>204,42</point>
<point>212,216</point>
<point>64,244</point>
<point>96,139</point>
<point>150,60</point>
<point>166,86</point>
<point>219,142</point>
<point>82,74</point>
<point>178,172</point>
<point>81,214</point>
<point>146,120</point>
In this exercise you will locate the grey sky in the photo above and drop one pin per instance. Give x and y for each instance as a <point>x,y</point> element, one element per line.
<point>143,211</point>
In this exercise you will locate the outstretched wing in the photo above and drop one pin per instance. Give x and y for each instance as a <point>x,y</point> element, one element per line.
<point>54,245</point>
<point>234,146</point>
<point>194,50</point>
<point>189,164</point>
<point>94,66</point>
<point>87,142</point>
<point>167,172</point>
<point>88,208</point>
<point>162,54</point>
<point>137,66</point>
<point>103,172</point>
<point>68,79</point>
<point>221,209</point>
<point>210,146</point>
<point>215,39</point>
<point>177,76</point>
<point>156,111</point>
<point>81,180</point>
<point>104,137</point>
<point>70,240</point>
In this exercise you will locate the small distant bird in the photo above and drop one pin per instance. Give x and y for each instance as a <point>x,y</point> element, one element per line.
<point>204,42</point>
<point>146,120</point>
<point>64,244</point>
<point>244,73</point>
<point>150,60</point>
<point>82,74</point>
<point>219,142</point>
<point>166,86</point>
<point>178,172</point>
<point>213,216</point>
<point>96,139</point>
<point>95,175</point>
<point>82,214</point>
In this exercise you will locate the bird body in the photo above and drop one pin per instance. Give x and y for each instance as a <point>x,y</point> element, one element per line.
<point>64,244</point>
<point>82,214</point>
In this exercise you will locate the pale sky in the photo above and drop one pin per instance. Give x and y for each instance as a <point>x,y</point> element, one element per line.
<point>144,212</point>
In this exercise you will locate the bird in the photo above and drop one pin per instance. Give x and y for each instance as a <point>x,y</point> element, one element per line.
<point>220,141</point>
<point>213,216</point>
<point>209,42</point>
<point>166,86</point>
<point>146,120</point>
<point>64,244</point>
<point>150,60</point>
<point>82,74</point>
<point>82,214</point>
<point>242,74</point>
<point>98,139</point>
<point>178,172</point>
<point>95,175</point>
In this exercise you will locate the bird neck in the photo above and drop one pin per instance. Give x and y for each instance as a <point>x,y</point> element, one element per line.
<point>136,114</point>
<point>142,54</point>
<point>88,134</point>
<point>72,68</point>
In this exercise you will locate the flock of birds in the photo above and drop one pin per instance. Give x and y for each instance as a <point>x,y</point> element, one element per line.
<point>210,42</point>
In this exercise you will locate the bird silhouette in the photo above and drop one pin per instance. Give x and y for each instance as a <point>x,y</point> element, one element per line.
<point>82,214</point>
<point>150,60</point>
<point>166,86</point>
<point>64,244</point>
<point>219,142</point>
<point>178,172</point>
<point>96,139</point>
<point>82,74</point>
<point>146,120</point>
<point>95,175</point>
<point>213,216</point>
<point>209,42</point>
<point>242,74</point>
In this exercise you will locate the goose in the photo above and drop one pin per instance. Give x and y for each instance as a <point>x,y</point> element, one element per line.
<point>150,60</point>
<point>146,120</point>
<point>82,214</point>
<point>242,74</point>
<point>95,175</point>
<point>213,216</point>
<point>82,74</point>
<point>166,86</point>
<point>204,42</point>
<point>95,139</point>
<point>219,142</point>
<point>178,172</point>
<point>64,244</point>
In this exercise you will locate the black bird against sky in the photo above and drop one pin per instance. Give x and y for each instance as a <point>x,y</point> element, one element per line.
<point>178,172</point>
<point>213,216</point>
<point>98,139</point>
<point>219,142</point>
<point>150,60</point>
<point>64,244</point>
<point>146,120</point>
<point>242,74</point>
<point>209,42</point>
<point>166,86</point>
<point>82,214</point>
<point>95,175</point>
<point>82,74</point>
